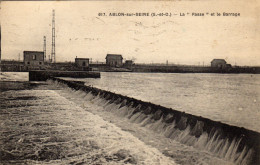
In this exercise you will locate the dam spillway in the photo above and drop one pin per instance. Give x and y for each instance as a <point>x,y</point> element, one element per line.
<point>236,144</point>
<point>40,126</point>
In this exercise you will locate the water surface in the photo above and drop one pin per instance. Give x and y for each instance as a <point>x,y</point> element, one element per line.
<point>229,98</point>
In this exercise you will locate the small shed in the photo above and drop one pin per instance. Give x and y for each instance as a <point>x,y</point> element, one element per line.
<point>128,63</point>
<point>82,62</point>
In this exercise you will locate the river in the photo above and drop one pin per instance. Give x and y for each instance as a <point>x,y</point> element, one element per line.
<point>230,98</point>
<point>58,120</point>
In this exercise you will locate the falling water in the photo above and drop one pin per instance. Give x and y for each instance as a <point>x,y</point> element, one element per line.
<point>231,143</point>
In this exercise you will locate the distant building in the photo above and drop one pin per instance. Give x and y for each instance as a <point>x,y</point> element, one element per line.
<point>128,63</point>
<point>114,60</point>
<point>82,62</point>
<point>33,59</point>
<point>229,66</point>
<point>219,63</point>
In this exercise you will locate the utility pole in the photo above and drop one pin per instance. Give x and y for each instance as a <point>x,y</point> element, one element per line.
<point>0,47</point>
<point>53,58</point>
<point>44,48</point>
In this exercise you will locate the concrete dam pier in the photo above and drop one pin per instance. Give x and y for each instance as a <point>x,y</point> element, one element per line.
<point>232,143</point>
<point>42,75</point>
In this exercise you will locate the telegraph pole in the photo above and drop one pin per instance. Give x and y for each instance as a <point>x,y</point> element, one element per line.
<point>53,58</point>
<point>44,48</point>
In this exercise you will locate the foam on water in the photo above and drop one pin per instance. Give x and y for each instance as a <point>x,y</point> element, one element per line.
<point>14,76</point>
<point>43,127</point>
<point>144,127</point>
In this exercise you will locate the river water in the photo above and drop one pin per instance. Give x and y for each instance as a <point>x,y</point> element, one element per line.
<point>230,98</point>
<point>53,124</point>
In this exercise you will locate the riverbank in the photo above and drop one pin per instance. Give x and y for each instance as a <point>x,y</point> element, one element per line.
<point>143,68</point>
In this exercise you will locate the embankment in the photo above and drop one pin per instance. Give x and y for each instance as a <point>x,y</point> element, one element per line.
<point>193,69</point>
<point>42,75</point>
<point>236,144</point>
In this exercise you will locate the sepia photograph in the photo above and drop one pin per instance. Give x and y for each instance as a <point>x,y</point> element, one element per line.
<point>115,82</point>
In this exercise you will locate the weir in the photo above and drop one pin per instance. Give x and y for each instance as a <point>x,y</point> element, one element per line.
<point>232,143</point>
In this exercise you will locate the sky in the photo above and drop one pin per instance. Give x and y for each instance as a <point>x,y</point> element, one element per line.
<point>81,32</point>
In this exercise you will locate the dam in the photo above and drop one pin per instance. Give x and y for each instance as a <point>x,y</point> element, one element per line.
<point>236,144</point>
<point>126,129</point>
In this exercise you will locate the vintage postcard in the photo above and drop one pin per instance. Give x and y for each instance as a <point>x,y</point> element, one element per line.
<point>130,82</point>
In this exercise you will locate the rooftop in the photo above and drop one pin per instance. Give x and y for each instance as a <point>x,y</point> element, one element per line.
<point>33,51</point>
<point>81,58</point>
<point>114,55</point>
<point>218,60</point>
